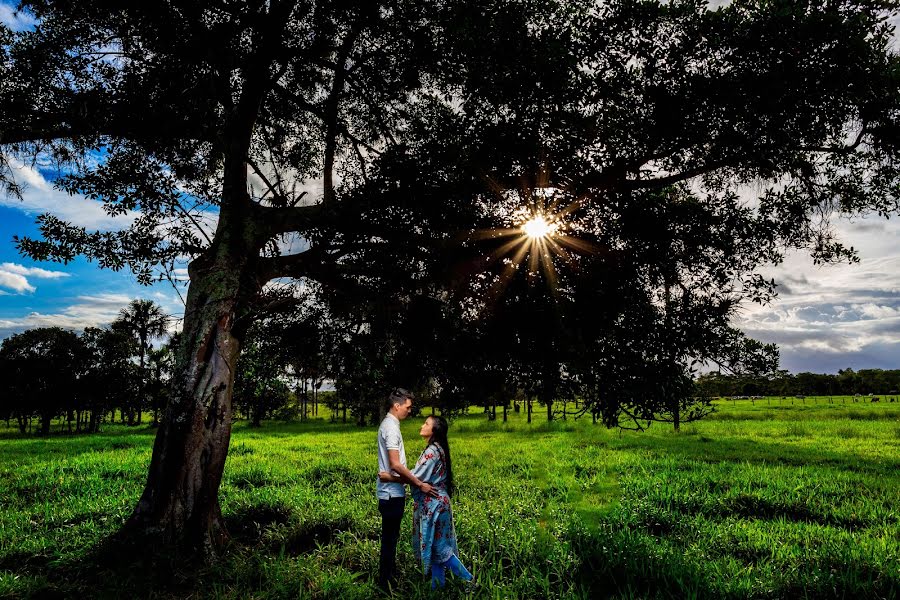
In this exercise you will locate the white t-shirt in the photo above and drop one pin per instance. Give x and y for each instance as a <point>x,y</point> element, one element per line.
<point>389,438</point>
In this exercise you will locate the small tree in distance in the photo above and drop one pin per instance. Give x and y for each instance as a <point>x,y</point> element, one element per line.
<point>145,321</point>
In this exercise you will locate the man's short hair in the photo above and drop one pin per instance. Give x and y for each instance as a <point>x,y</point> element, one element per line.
<point>399,396</point>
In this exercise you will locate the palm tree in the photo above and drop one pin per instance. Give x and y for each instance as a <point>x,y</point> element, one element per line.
<point>145,321</point>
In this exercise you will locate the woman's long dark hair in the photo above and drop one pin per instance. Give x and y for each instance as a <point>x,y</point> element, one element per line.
<point>439,436</point>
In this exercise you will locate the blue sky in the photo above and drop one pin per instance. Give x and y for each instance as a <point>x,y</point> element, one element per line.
<point>75,295</point>
<point>827,317</point>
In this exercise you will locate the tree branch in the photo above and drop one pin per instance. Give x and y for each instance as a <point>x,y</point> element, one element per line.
<point>331,111</point>
<point>838,149</point>
<point>278,196</point>
<point>316,264</point>
<point>285,220</point>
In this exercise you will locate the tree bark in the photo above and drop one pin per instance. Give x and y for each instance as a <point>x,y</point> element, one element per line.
<point>180,504</point>
<point>179,507</point>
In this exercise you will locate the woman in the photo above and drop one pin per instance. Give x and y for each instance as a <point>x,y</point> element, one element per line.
<point>434,537</point>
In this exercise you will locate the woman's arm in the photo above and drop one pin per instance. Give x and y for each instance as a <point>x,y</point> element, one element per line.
<point>405,475</point>
<point>427,463</point>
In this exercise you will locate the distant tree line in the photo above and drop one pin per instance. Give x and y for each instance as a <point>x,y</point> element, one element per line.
<point>453,363</point>
<point>88,378</point>
<point>846,382</point>
<point>117,373</point>
<point>123,371</point>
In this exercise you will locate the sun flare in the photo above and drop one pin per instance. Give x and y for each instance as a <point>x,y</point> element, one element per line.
<point>537,227</point>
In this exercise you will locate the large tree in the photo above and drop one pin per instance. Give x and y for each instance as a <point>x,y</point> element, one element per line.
<point>416,120</point>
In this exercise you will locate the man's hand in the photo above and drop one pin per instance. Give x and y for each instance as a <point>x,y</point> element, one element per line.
<point>427,488</point>
<point>386,477</point>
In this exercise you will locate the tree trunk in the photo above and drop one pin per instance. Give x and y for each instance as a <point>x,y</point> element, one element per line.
<point>676,414</point>
<point>179,507</point>
<point>142,383</point>
<point>675,401</point>
<point>529,409</point>
<point>256,410</point>
<point>46,418</point>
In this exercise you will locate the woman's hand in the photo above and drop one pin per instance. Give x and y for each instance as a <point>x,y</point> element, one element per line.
<point>385,476</point>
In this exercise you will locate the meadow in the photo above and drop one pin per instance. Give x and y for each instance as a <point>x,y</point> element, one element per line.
<point>771,499</point>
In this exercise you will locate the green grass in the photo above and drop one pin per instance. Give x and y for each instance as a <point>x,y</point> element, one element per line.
<point>760,500</point>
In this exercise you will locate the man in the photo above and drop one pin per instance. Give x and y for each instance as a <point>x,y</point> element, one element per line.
<point>392,495</point>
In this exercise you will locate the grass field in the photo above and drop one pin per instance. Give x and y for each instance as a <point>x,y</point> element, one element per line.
<point>762,500</point>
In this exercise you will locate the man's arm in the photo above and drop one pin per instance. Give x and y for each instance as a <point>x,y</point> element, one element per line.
<point>405,475</point>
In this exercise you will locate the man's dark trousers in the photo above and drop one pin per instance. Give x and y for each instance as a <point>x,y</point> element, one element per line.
<point>391,514</point>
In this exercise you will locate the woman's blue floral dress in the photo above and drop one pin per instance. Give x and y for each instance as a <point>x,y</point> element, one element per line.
<point>434,536</point>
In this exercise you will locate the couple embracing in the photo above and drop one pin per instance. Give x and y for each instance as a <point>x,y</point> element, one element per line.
<point>431,482</point>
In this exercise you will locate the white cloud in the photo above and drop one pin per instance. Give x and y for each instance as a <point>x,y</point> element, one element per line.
<point>835,316</point>
<point>32,271</point>
<point>16,20</point>
<point>39,196</point>
<point>88,311</point>
<point>15,277</point>
<point>894,22</point>
<point>16,282</point>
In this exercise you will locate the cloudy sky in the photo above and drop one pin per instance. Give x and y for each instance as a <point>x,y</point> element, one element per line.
<point>827,317</point>
<point>75,295</point>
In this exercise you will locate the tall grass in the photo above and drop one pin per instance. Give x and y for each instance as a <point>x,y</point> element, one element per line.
<point>763,500</point>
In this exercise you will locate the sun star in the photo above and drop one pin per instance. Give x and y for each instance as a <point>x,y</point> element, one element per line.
<point>537,227</point>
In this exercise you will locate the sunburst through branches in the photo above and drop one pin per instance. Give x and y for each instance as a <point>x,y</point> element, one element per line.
<point>542,230</point>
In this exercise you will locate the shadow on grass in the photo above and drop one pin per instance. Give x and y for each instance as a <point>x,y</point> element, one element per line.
<point>28,449</point>
<point>612,559</point>
<point>121,567</point>
<point>744,450</point>
<point>618,563</point>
